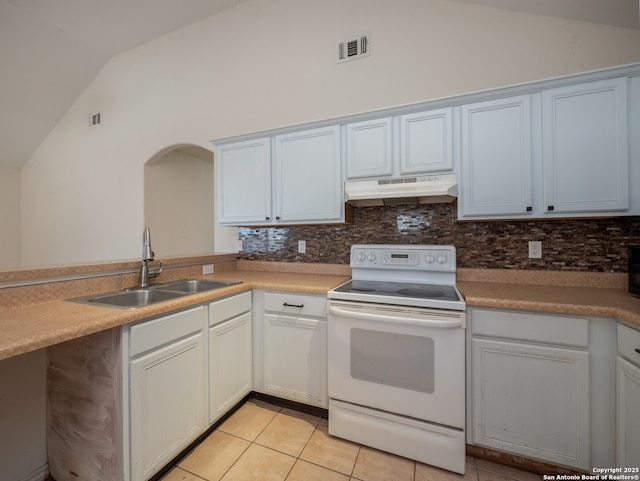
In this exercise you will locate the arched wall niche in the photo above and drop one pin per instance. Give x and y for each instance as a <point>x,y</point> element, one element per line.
<point>179,200</point>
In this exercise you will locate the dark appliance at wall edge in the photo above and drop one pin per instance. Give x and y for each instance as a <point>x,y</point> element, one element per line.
<point>634,270</point>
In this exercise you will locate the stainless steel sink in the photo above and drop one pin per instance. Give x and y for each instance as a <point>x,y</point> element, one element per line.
<point>133,298</point>
<point>193,286</point>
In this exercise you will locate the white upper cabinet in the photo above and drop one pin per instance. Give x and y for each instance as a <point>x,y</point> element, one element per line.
<point>308,176</point>
<point>286,179</point>
<point>585,152</point>
<point>426,140</point>
<point>562,152</point>
<point>410,144</point>
<point>244,182</point>
<point>369,149</point>
<point>554,148</point>
<point>496,176</point>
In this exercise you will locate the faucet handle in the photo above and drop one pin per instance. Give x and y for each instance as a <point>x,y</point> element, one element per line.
<point>155,272</point>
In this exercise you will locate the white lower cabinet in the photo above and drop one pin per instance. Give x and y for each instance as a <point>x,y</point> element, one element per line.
<point>294,347</point>
<point>530,385</point>
<point>628,398</point>
<point>167,398</point>
<point>230,357</point>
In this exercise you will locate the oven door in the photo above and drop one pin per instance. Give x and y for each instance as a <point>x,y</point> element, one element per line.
<point>404,360</point>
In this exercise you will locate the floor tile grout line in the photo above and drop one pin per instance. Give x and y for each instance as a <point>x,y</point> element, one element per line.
<point>320,465</point>
<point>316,421</point>
<point>254,442</point>
<point>353,469</point>
<point>241,454</point>
<point>236,460</point>
<point>177,466</point>
<point>298,456</point>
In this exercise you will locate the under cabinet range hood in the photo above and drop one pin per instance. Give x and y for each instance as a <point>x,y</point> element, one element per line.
<point>433,189</point>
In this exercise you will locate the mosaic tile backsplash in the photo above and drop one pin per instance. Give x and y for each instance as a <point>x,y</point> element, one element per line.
<point>594,245</point>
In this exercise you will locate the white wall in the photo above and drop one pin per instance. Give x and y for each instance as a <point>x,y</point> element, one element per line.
<point>179,204</point>
<point>265,64</point>
<point>9,216</point>
<point>23,409</point>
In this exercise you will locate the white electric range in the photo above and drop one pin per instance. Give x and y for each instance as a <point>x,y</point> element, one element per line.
<point>396,349</point>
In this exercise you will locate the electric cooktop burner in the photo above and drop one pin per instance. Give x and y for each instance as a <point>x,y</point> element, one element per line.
<point>421,276</point>
<point>400,289</point>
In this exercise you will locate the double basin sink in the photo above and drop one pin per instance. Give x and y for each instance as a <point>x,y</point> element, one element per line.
<point>140,297</point>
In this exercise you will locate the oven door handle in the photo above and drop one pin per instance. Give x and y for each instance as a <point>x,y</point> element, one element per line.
<point>395,319</point>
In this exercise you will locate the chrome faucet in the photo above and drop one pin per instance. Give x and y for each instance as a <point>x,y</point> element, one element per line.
<point>147,255</point>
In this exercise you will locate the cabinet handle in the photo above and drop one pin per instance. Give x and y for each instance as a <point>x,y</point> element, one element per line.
<point>277,217</point>
<point>266,218</point>
<point>529,209</point>
<point>549,207</point>
<point>299,306</point>
<point>637,350</point>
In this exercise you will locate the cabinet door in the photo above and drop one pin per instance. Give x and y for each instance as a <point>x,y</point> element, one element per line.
<point>308,182</point>
<point>229,364</point>
<point>586,162</point>
<point>369,151</point>
<point>532,400</point>
<point>295,359</point>
<point>628,414</point>
<point>244,182</point>
<point>496,176</point>
<point>168,404</point>
<point>426,142</point>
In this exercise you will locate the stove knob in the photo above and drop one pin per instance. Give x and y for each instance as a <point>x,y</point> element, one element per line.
<point>371,257</point>
<point>442,259</point>
<point>429,259</point>
<point>361,257</point>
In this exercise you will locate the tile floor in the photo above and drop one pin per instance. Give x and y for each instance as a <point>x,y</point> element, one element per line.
<point>261,441</point>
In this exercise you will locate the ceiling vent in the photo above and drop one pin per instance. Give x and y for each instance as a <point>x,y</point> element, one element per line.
<point>353,49</point>
<point>94,119</point>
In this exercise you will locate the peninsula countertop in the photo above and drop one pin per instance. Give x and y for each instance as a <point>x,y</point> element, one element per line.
<point>28,328</point>
<point>37,326</point>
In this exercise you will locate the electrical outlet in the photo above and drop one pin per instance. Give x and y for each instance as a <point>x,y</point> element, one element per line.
<point>207,269</point>
<point>535,250</point>
<point>302,247</point>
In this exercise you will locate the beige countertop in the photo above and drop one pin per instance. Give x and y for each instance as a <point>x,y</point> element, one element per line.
<point>586,301</point>
<point>36,326</point>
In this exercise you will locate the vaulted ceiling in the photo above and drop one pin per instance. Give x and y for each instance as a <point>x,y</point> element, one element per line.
<point>51,50</point>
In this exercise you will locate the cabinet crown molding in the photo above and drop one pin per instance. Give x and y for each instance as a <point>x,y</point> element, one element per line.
<point>534,86</point>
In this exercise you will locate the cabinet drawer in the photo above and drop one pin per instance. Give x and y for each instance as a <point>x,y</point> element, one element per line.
<point>629,343</point>
<point>569,331</point>
<point>299,304</point>
<point>151,334</point>
<point>230,307</point>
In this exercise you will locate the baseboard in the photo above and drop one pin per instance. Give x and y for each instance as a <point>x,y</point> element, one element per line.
<point>519,462</point>
<point>286,403</point>
<point>40,474</point>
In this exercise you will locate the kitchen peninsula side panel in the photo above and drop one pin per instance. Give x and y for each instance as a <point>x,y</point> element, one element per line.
<point>84,389</point>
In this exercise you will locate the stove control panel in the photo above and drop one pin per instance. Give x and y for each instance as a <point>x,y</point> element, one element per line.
<point>410,257</point>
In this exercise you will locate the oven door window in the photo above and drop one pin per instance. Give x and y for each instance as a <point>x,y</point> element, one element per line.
<point>392,359</point>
